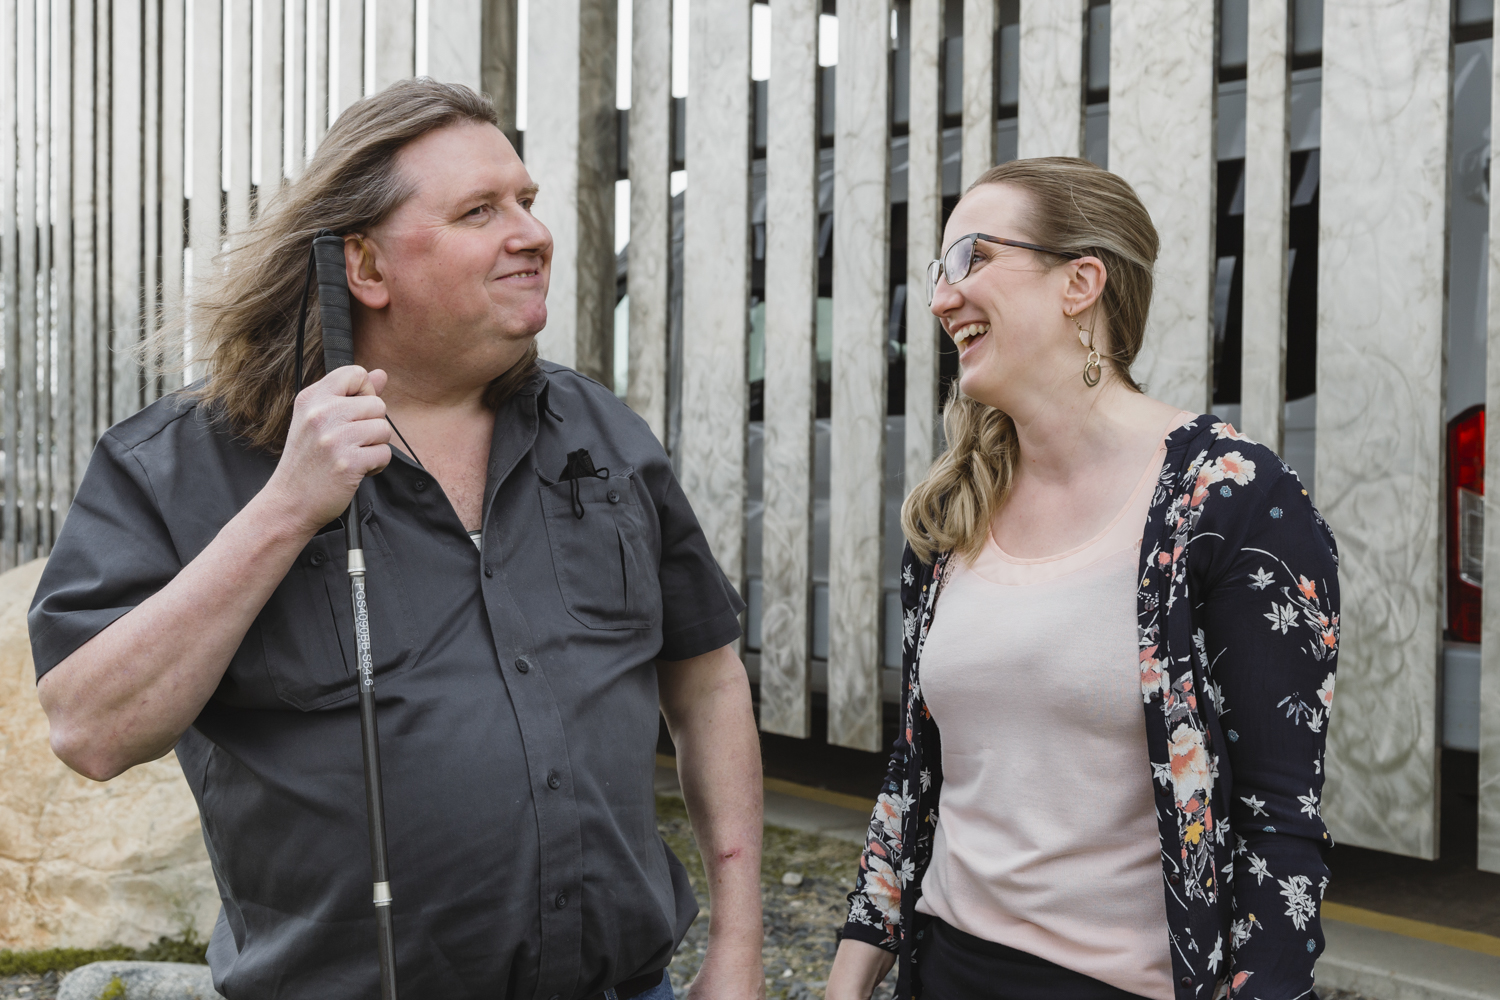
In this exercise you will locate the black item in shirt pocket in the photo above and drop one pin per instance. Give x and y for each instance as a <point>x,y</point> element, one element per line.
<point>307,628</point>
<point>604,561</point>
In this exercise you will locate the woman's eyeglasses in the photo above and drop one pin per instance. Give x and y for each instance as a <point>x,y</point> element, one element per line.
<point>959,257</point>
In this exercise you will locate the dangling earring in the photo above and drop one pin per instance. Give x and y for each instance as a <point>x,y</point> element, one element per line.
<point>1091,364</point>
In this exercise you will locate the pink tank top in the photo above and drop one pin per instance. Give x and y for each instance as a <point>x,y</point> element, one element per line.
<point>1047,838</point>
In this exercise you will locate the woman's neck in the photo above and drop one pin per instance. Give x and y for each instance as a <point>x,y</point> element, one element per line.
<point>1065,439</point>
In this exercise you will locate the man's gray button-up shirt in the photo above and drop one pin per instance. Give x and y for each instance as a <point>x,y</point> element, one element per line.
<point>525,861</point>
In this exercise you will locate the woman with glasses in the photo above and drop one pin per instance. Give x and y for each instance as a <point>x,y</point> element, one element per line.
<point>1121,625</point>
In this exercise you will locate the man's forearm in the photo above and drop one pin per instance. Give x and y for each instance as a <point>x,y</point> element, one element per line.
<point>707,704</point>
<point>127,695</point>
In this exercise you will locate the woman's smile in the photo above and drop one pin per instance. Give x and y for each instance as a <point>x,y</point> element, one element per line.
<point>968,336</point>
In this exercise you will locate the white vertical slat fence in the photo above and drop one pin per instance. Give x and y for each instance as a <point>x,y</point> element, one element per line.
<point>791,368</point>
<point>1382,250</point>
<point>1267,190</point>
<point>861,267</point>
<point>924,223</point>
<point>78,398</point>
<point>116,193</point>
<point>716,271</point>
<point>1489,680</point>
<point>650,248</point>
<point>1161,140</point>
<point>1051,79</point>
<point>981,22</point>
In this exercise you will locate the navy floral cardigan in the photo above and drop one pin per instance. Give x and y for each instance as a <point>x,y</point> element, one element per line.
<point>1238,612</point>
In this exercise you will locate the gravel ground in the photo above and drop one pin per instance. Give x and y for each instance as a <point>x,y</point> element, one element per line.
<point>804,881</point>
<point>800,918</point>
<point>29,987</point>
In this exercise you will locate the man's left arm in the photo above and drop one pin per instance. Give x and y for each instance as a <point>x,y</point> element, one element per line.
<point>706,702</point>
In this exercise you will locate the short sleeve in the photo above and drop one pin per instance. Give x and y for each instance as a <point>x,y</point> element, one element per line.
<point>700,609</point>
<point>113,552</point>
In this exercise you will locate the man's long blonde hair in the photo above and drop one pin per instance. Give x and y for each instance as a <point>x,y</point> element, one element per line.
<point>1075,206</point>
<point>245,314</point>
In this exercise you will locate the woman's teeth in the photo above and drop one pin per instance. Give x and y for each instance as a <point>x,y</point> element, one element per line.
<point>964,336</point>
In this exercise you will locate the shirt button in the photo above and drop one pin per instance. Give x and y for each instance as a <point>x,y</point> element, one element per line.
<point>318,559</point>
<point>562,900</point>
<point>1187,981</point>
<point>553,781</point>
<point>613,497</point>
<point>1174,878</point>
<point>523,664</point>
<point>419,485</point>
<point>488,572</point>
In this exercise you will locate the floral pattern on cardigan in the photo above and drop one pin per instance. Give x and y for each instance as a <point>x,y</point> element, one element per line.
<point>1238,622</point>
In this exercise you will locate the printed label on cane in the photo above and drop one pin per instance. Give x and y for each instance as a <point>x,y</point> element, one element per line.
<point>362,635</point>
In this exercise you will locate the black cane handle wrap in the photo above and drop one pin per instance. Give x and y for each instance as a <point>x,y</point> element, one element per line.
<point>333,301</point>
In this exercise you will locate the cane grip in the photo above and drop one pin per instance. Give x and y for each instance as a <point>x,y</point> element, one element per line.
<point>333,301</point>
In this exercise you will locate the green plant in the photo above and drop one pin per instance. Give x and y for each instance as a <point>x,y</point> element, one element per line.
<point>114,991</point>
<point>59,959</point>
<point>184,948</point>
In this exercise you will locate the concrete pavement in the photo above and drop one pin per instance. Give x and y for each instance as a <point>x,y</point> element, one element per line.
<point>1371,953</point>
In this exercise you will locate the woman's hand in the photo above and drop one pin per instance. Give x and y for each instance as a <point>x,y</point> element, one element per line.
<point>857,969</point>
<point>339,435</point>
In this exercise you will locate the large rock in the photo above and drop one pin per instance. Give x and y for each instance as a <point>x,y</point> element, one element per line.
<point>140,980</point>
<point>84,863</point>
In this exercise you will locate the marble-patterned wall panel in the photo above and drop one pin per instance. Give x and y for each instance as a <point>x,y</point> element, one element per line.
<point>499,58</point>
<point>552,158</point>
<point>571,152</point>
<point>1161,140</point>
<point>1267,165</point>
<point>205,76</point>
<point>1051,111</point>
<point>716,275</point>
<point>452,38</point>
<point>1489,679</point>
<point>650,210</point>
<point>598,169</point>
<point>1381,246</point>
<point>861,234</point>
<point>126,155</point>
<point>346,55</point>
<point>791,373</point>
<point>924,214</point>
<point>981,21</point>
<point>395,41</point>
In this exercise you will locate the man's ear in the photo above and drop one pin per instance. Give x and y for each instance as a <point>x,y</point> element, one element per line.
<point>362,268</point>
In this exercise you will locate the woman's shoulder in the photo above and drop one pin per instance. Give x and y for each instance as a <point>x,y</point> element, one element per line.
<point>1210,446</point>
<point>1230,480</point>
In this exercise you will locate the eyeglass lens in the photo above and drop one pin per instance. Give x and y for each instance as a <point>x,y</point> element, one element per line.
<point>957,260</point>
<point>954,266</point>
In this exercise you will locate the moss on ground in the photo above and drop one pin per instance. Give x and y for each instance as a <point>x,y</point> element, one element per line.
<point>184,948</point>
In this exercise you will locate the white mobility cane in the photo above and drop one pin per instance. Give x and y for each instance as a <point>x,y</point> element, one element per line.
<point>338,351</point>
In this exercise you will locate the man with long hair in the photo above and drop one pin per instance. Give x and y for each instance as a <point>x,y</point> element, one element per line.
<point>538,586</point>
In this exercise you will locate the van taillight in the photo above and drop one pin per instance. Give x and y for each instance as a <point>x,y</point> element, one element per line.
<point>1465,523</point>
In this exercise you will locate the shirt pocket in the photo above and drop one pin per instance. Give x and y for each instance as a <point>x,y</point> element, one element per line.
<point>605,561</point>
<point>307,628</point>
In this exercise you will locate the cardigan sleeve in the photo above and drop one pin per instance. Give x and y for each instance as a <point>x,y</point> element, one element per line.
<point>885,866</point>
<point>1269,633</point>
